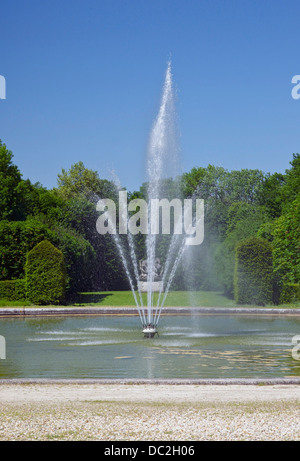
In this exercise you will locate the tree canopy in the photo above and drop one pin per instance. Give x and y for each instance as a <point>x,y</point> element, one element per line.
<point>239,205</point>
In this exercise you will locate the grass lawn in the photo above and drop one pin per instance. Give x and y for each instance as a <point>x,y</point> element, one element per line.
<point>5,303</point>
<point>174,298</point>
<point>125,298</point>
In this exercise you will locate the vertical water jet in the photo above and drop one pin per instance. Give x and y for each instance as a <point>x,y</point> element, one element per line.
<point>162,165</point>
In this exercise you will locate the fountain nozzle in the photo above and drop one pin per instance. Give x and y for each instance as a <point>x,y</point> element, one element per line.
<point>149,330</point>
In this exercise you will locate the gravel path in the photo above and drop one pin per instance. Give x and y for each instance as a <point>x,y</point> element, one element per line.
<point>149,412</point>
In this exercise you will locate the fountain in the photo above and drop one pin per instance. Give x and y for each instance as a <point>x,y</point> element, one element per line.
<point>150,275</point>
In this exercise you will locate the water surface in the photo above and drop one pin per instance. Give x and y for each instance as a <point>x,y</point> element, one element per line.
<point>191,346</point>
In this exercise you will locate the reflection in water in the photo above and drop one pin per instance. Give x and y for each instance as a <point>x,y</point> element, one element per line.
<point>113,347</point>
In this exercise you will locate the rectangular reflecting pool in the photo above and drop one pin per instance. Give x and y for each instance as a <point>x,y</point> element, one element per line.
<point>188,346</point>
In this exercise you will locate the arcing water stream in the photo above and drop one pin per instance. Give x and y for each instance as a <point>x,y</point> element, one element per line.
<point>162,163</point>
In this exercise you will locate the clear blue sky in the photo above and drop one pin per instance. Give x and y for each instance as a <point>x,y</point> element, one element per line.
<point>84,80</point>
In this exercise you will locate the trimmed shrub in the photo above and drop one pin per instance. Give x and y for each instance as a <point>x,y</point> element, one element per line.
<point>244,220</point>
<point>45,274</point>
<point>253,275</point>
<point>286,245</point>
<point>16,239</point>
<point>290,293</point>
<point>13,290</point>
<point>80,261</point>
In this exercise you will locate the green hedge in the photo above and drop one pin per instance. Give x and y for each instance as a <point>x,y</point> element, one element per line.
<point>253,275</point>
<point>45,274</point>
<point>13,290</point>
<point>290,293</point>
<point>17,238</point>
<point>286,244</point>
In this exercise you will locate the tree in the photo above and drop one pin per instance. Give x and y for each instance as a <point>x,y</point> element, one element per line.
<point>286,244</point>
<point>16,239</point>
<point>190,181</point>
<point>253,274</point>
<point>232,212</point>
<point>291,189</point>
<point>19,237</point>
<point>271,194</point>
<point>243,185</point>
<point>81,181</point>
<point>20,198</point>
<point>10,179</point>
<point>80,188</point>
<point>244,220</point>
<point>216,183</point>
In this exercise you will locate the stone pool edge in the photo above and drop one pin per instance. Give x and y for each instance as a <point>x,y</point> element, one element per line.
<point>155,381</point>
<point>41,311</point>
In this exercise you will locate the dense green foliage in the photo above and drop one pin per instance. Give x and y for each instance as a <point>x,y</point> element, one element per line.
<point>289,293</point>
<point>253,275</point>
<point>45,274</point>
<point>286,244</point>
<point>13,290</point>
<point>19,237</point>
<point>16,239</point>
<point>244,220</point>
<point>238,205</point>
